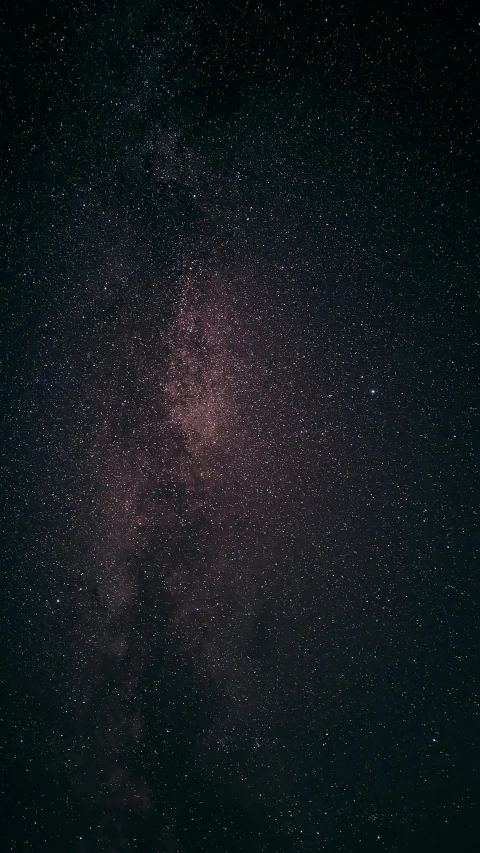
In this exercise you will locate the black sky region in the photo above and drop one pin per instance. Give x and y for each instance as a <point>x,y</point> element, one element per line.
<point>238,261</point>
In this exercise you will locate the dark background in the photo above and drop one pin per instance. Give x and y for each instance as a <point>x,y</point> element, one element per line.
<point>335,146</point>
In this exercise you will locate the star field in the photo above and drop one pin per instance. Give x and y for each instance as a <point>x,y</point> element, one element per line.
<point>238,465</point>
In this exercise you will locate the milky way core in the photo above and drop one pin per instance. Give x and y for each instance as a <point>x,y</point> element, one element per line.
<point>185,526</point>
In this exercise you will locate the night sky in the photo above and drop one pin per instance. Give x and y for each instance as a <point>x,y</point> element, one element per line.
<point>238,265</point>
